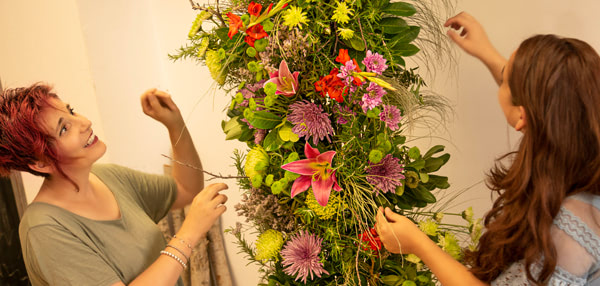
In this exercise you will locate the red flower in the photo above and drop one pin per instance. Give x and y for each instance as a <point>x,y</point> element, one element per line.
<point>254,9</point>
<point>372,238</point>
<point>249,40</point>
<point>256,32</point>
<point>331,85</point>
<point>343,57</point>
<point>235,22</point>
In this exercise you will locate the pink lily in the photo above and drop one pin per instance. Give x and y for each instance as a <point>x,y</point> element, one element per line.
<point>287,83</point>
<point>316,171</point>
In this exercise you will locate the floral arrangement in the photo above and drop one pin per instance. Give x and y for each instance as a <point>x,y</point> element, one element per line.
<point>322,97</point>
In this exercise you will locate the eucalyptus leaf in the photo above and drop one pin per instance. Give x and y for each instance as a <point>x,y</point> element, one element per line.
<point>400,9</point>
<point>392,25</point>
<point>265,120</point>
<point>439,182</point>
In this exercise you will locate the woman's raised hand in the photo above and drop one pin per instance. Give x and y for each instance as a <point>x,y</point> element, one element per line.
<point>472,38</point>
<point>159,105</point>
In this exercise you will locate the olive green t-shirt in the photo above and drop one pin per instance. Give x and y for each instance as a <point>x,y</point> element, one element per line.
<point>62,248</point>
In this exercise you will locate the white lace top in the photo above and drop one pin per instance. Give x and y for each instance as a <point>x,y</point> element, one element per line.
<point>575,234</point>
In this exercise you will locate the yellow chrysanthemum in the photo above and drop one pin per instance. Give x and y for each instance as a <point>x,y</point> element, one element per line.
<point>334,205</point>
<point>294,17</point>
<point>268,245</point>
<point>346,34</point>
<point>215,67</point>
<point>342,13</point>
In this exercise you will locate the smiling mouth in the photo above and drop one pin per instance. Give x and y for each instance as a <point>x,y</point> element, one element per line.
<point>91,140</point>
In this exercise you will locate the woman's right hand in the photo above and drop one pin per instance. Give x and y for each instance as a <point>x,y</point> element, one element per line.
<point>205,209</point>
<point>397,233</point>
<point>472,39</point>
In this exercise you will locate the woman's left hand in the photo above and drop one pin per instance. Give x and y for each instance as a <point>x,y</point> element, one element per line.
<point>159,105</point>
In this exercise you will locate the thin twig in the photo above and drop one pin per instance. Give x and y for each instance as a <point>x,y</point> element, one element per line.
<point>361,33</point>
<point>219,176</point>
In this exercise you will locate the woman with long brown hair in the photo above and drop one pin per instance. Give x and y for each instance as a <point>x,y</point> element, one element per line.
<point>544,226</point>
<point>95,224</point>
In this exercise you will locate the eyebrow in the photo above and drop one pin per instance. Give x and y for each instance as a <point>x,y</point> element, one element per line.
<point>60,121</point>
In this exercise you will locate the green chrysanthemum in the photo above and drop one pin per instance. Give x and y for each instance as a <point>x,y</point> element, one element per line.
<point>334,205</point>
<point>268,245</point>
<point>468,215</point>
<point>215,67</point>
<point>202,47</point>
<point>449,244</point>
<point>294,16</point>
<point>257,157</point>
<point>342,13</point>
<point>429,227</point>
<point>346,34</point>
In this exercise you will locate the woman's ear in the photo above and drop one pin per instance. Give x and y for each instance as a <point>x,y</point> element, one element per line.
<point>522,122</point>
<point>42,167</point>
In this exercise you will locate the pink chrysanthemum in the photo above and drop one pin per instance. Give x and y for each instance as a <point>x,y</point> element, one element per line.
<point>391,116</point>
<point>386,174</point>
<point>310,121</point>
<point>374,62</point>
<point>346,72</point>
<point>372,98</point>
<point>301,254</point>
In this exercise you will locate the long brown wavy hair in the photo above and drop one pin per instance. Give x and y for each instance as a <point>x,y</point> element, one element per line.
<point>557,81</point>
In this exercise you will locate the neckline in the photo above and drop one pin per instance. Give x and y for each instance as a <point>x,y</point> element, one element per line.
<point>117,200</point>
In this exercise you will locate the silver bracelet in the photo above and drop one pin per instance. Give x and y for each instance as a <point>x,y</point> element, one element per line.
<point>184,242</point>
<point>180,251</point>
<point>174,257</point>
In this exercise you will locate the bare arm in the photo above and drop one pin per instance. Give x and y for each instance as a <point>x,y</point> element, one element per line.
<point>206,207</point>
<point>400,235</point>
<point>159,105</point>
<point>473,40</point>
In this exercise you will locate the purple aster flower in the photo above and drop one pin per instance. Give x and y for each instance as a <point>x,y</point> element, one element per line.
<point>372,98</point>
<point>391,116</point>
<point>310,121</point>
<point>259,135</point>
<point>301,254</point>
<point>346,72</point>
<point>374,62</point>
<point>386,174</point>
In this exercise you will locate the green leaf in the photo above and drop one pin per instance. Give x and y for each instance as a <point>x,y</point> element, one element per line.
<point>265,120</point>
<point>357,43</point>
<point>405,50</point>
<point>439,182</point>
<point>422,194</point>
<point>400,9</point>
<point>417,164</point>
<point>222,33</point>
<point>247,134</point>
<point>234,132</point>
<point>407,35</point>
<point>433,150</point>
<point>286,134</point>
<point>272,141</point>
<point>434,164</point>
<point>391,280</point>
<point>392,25</point>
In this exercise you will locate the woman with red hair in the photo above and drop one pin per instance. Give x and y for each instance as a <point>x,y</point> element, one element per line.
<point>95,224</point>
<point>544,227</point>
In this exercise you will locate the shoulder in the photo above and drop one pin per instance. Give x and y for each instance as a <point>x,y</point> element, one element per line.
<point>42,217</point>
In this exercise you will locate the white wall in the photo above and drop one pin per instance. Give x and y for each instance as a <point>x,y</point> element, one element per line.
<point>101,55</point>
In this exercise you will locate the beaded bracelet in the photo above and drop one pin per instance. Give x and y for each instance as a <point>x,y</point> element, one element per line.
<point>180,251</point>
<point>174,257</point>
<point>184,242</point>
